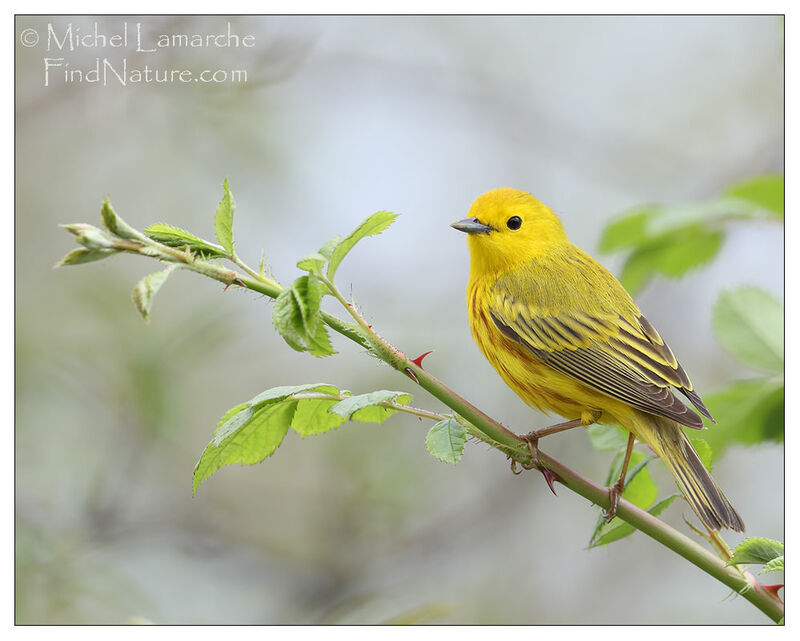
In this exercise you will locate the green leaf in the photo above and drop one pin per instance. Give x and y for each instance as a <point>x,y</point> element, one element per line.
<point>629,230</point>
<point>312,263</point>
<point>312,416</point>
<point>116,225</point>
<point>766,192</point>
<point>147,288</point>
<point>747,412</point>
<point>775,565</point>
<point>285,391</point>
<point>364,407</point>
<point>176,237</point>
<point>611,532</point>
<point>248,437</point>
<point>372,226</point>
<point>748,323</point>
<point>756,549</point>
<point>446,440</point>
<point>607,437</point>
<point>231,413</point>
<point>672,255</point>
<point>83,255</point>
<point>327,249</point>
<point>223,220</point>
<point>640,489</point>
<point>677,257</point>
<point>296,316</point>
<point>703,450</point>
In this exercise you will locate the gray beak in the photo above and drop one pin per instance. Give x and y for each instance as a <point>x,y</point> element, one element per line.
<point>472,226</point>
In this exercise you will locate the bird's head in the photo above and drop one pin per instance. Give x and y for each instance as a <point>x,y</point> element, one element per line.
<point>507,227</point>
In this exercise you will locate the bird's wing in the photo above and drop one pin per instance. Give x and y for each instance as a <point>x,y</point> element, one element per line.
<point>625,359</point>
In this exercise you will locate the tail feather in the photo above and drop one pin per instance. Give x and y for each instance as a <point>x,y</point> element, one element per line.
<point>701,491</point>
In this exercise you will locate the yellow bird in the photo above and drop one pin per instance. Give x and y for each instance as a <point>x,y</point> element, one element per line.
<point>564,334</point>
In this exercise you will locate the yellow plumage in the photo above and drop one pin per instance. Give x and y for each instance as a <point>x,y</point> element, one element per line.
<point>564,334</point>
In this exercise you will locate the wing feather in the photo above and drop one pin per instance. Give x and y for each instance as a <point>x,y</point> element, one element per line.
<point>624,358</point>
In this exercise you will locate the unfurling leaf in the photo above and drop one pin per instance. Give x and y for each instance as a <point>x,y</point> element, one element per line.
<point>147,288</point>
<point>372,226</point>
<point>775,565</point>
<point>296,316</point>
<point>756,549</point>
<point>446,440</point>
<point>176,237</point>
<point>116,225</point>
<point>223,220</point>
<point>749,323</point>
<point>83,255</point>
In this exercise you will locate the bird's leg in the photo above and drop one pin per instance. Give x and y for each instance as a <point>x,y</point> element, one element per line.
<point>615,491</point>
<point>532,439</point>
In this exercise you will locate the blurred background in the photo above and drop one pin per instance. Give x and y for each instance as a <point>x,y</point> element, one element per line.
<point>341,117</point>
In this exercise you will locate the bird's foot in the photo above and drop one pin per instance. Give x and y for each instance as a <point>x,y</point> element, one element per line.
<point>614,492</point>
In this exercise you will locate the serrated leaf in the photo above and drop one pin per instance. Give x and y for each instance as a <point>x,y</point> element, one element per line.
<point>223,220</point>
<point>349,406</point>
<point>308,295</point>
<point>607,437</point>
<point>246,438</point>
<point>446,440</point>
<point>312,263</point>
<point>231,413</point>
<point>703,450</point>
<point>611,533</point>
<point>285,391</point>
<point>747,412</point>
<point>83,255</point>
<point>312,416</point>
<point>766,192</point>
<point>327,249</point>
<point>629,230</point>
<point>296,316</point>
<point>775,565</point>
<point>372,226</point>
<point>748,322</point>
<point>176,237</point>
<point>147,288</point>
<point>756,549</point>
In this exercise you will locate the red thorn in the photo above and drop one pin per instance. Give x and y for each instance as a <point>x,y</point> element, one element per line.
<point>418,360</point>
<point>235,281</point>
<point>408,371</point>
<point>773,589</point>
<point>419,417</point>
<point>550,477</point>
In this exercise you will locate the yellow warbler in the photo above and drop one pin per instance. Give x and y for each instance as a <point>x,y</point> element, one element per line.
<point>564,334</point>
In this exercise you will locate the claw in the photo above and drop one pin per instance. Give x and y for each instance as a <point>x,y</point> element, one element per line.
<point>614,492</point>
<point>418,360</point>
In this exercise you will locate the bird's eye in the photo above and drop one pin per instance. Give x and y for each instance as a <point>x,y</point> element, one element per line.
<point>514,223</point>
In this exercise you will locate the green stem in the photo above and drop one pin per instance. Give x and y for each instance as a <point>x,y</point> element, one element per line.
<point>492,432</point>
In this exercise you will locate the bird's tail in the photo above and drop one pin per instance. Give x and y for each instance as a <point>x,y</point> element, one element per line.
<point>668,440</point>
